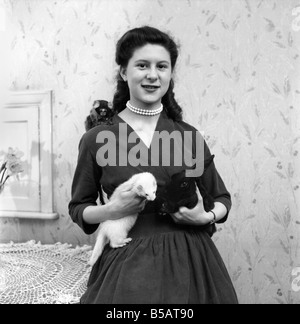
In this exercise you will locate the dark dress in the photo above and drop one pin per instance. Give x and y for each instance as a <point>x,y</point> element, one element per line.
<point>165,263</point>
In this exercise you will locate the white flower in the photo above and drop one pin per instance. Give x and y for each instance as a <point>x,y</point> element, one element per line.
<point>11,166</point>
<point>14,168</point>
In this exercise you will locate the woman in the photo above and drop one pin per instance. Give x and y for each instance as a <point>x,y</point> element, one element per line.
<point>171,259</point>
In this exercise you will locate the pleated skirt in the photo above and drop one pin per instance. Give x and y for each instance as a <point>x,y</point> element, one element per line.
<point>165,263</point>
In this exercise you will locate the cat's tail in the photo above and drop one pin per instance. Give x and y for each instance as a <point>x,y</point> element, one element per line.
<point>98,248</point>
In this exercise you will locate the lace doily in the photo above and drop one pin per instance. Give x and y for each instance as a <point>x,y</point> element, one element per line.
<point>32,273</point>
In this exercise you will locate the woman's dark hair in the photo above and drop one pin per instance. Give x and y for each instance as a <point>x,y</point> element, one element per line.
<point>127,44</point>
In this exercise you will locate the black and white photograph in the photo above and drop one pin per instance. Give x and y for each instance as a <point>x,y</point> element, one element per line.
<point>150,154</point>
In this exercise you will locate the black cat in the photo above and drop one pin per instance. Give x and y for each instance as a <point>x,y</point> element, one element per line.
<point>181,191</point>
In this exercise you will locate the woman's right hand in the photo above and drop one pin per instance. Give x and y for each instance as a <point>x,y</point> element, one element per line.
<point>125,203</point>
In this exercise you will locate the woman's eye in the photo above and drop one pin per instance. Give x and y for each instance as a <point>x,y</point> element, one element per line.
<point>142,66</point>
<point>162,67</point>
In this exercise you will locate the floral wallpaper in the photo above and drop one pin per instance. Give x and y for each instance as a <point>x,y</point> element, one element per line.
<point>237,80</point>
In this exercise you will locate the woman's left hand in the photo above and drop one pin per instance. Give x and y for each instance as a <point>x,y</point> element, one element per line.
<point>195,216</point>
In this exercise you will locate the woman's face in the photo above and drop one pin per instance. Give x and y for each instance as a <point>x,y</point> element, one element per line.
<point>148,75</point>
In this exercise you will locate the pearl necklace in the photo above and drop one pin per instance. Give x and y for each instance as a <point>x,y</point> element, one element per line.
<point>146,112</point>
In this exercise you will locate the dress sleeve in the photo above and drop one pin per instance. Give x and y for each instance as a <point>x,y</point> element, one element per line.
<point>86,186</point>
<point>214,184</point>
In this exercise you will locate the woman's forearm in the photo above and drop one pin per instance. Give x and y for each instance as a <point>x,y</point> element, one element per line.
<point>219,210</point>
<point>97,214</point>
<point>124,204</point>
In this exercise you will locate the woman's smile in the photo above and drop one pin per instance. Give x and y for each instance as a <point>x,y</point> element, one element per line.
<point>150,88</point>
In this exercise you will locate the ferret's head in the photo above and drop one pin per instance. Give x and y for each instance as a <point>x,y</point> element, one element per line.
<point>145,185</point>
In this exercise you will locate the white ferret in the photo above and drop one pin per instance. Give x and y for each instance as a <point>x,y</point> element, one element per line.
<point>115,231</point>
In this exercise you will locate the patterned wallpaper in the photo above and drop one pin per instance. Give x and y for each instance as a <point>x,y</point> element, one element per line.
<point>237,80</point>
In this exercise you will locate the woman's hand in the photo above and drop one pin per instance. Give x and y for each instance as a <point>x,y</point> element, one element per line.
<point>195,216</point>
<point>125,204</point>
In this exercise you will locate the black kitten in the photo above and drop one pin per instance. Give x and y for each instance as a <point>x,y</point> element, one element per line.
<point>181,191</point>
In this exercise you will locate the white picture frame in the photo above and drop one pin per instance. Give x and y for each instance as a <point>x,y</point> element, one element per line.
<point>32,110</point>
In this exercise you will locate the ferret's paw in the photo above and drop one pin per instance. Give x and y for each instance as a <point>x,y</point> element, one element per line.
<point>120,242</point>
<point>92,261</point>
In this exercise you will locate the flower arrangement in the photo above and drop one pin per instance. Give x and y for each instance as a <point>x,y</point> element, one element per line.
<point>11,166</point>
